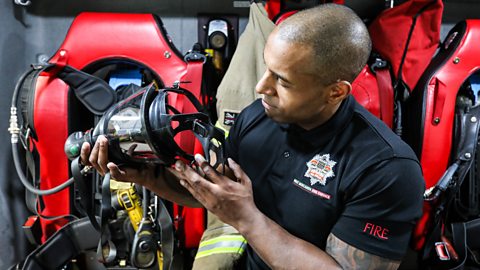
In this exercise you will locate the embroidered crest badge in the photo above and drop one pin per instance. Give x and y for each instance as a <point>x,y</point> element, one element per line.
<point>320,167</point>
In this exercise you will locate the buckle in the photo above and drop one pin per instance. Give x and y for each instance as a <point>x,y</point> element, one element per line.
<point>442,251</point>
<point>200,129</point>
<point>195,56</point>
<point>378,63</point>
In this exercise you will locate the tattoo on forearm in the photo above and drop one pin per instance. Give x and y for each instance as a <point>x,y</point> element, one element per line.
<point>349,257</point>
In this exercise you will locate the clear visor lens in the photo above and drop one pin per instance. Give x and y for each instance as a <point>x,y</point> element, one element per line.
<point>124,124</point>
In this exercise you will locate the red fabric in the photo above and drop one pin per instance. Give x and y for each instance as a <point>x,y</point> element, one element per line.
<point>194,225</point>
<point>285,15</point>
<point>365,91</point>
<point>422,228</point>
<point>96,37</point>
<point>51,127</point>
<point>389,32</point>
<point>273,8</point>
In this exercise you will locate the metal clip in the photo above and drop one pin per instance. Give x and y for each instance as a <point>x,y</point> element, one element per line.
<point>22,2</point>
<point>378,64</point>
<point>389,3</point>
<point>86,170</point>
<point>176,84</point>
<point>25,139</point>
<point>442,251</point>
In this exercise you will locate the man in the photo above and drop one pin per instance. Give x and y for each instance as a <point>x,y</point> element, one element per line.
<point>318,182</point>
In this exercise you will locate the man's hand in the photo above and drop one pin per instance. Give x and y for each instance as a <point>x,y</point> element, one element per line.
<point>231,200</point>
<point>163,181</point>
<point>97,157</point>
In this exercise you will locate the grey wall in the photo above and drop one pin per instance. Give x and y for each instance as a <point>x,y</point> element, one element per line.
<point>12,58</point>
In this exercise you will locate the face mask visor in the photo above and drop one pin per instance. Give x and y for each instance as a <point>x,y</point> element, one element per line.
<point>145,128</point>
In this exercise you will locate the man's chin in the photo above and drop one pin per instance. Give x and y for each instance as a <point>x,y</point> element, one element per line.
<point>275,117</point>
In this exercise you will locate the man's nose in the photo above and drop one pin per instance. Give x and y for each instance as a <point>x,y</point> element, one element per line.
<point>265,86</point>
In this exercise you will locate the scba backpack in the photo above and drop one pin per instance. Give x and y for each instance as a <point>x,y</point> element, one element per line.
<point>104,58</point>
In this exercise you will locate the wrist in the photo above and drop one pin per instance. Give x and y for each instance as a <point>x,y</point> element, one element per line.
<point>251,223</point>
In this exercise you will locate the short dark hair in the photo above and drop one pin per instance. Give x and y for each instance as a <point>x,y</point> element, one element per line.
<point>338,37</point>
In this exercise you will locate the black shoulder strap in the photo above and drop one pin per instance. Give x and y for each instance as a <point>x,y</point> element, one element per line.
<point>92,91</point>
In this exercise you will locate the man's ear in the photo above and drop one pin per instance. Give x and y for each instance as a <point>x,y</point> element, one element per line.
<point>339,91</point>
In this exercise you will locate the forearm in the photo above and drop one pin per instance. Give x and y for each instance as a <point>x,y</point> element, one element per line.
<point>280,249</point>
<point>166,185</point>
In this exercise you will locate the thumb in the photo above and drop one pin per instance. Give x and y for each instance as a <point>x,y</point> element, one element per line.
<point>116,173</point>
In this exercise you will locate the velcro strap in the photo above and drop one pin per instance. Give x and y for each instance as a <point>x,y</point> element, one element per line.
<point>385,90</point>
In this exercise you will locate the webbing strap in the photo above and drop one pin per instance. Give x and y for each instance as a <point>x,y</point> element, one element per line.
<point>86,204</point>
<point>105,213</point>
<point>222,244</point>
<point>385,91</point>
<point>167,238</point>
<point>460,242</point>
<point>67,243</point>
<point>30,198</point>
<point>194,77</point>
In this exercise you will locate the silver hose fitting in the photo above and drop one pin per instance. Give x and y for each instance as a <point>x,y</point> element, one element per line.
<point>14,129</point>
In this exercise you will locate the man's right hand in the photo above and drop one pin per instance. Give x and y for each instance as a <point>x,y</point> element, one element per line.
<point>91,157</point>
<point>97,157</point>
<point>161,180</point>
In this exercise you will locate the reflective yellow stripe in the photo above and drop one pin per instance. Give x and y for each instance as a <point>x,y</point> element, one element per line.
<point>221,239</point>
<point>219,251</point>
<point>222,244</point>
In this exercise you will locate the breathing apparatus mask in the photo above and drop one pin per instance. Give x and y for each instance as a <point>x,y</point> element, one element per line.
<point>142,129</point>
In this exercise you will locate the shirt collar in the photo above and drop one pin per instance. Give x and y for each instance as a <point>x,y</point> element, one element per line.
<point>312,139</point>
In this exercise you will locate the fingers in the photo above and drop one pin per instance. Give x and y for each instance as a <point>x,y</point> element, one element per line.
<point>198,186</point>
<point>209,171</point>
<point>98,158</point>
<point>103,154</point>
<point>241,176</point>
<point>85,153</point>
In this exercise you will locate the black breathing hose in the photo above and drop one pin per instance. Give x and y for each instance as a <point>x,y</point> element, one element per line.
<point>15,131</point>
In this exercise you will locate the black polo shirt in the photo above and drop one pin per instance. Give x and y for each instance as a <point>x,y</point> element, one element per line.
<point>351,176</point>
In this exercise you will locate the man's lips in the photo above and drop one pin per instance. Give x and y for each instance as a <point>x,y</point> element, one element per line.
<point>266,105</point>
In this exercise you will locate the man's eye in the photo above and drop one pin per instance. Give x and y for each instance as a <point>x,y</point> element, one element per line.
<point>278,78</point>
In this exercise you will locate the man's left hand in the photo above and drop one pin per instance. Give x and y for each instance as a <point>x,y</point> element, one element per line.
<point>230,200</point>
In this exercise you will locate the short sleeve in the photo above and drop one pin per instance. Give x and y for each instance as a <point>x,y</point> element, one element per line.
<point>382,207</point>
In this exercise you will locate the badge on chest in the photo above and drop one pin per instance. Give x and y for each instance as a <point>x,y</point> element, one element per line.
<point>320,168</point>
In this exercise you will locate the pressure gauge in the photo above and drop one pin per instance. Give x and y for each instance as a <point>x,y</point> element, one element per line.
<point>217,34</point>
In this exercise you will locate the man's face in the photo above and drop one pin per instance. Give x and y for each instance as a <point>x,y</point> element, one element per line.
<point>291,93</point>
